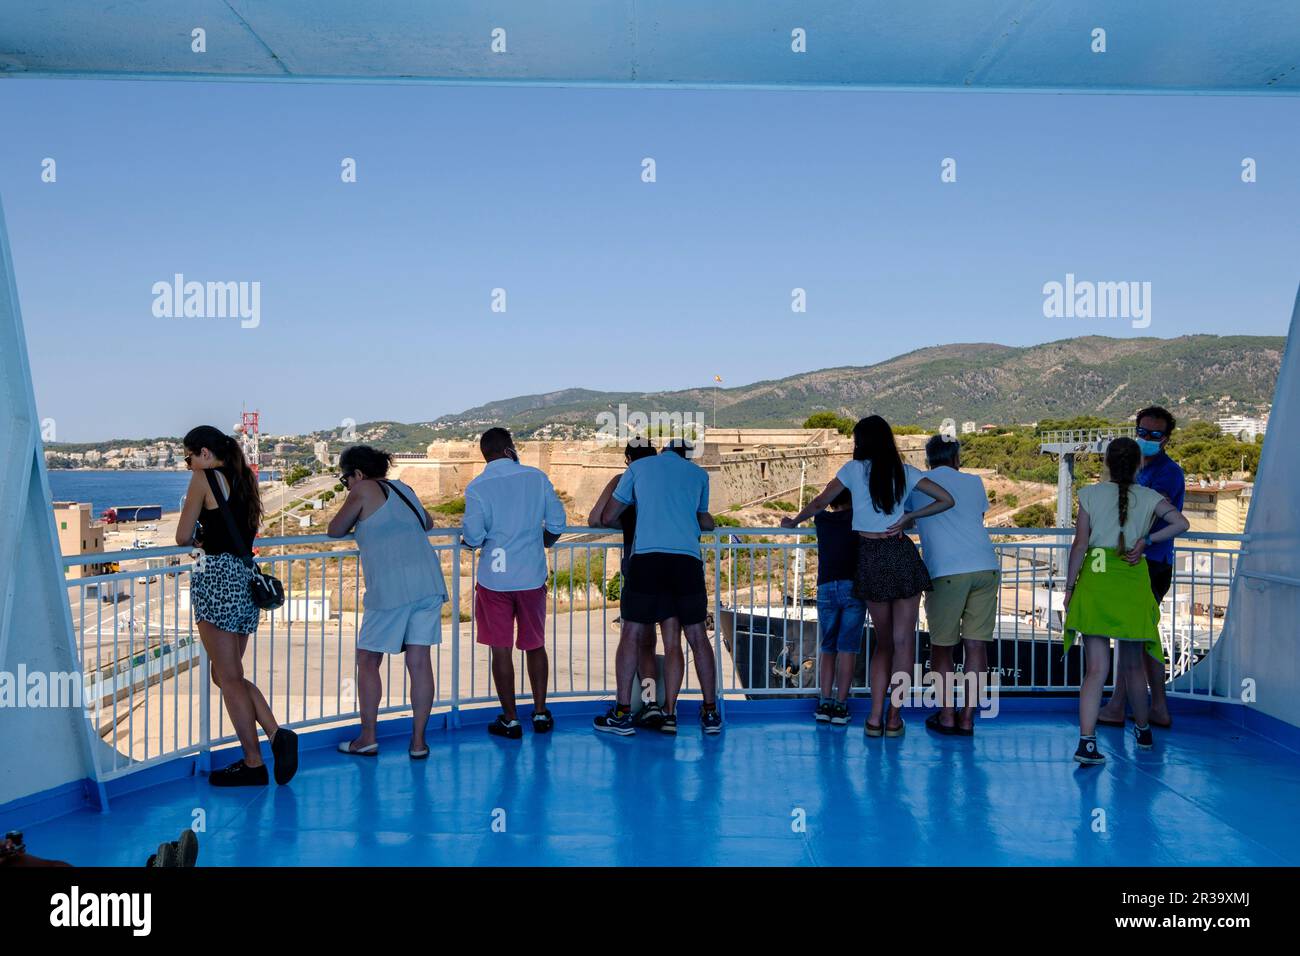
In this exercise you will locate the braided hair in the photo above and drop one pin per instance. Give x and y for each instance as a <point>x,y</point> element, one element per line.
<point>1123,456</point>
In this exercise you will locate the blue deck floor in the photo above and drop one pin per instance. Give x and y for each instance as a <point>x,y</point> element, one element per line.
<point>1211,793</point>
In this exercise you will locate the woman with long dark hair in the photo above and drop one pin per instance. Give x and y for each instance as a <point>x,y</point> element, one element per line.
<point>890,575</point>
<point>1108,590</point>
<point>221,600</point>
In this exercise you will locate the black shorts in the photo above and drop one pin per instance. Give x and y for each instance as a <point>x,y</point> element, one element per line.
<point>1162,577</point>
<point>658,586</point>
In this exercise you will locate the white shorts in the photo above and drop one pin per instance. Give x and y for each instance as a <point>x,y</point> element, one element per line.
<point>390,631</point>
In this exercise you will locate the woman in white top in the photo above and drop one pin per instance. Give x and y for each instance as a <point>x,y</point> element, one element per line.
<point>1108,591</point>
<point>405,590</point>
<point>891,574</point>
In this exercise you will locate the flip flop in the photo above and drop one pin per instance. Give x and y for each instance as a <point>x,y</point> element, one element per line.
<point>873,730</point>
<point>371,750</point>
<point>932,723</point>
<point>418,754</point>
<point>902,729</point>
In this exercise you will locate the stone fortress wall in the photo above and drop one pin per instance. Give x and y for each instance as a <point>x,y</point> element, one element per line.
<point>745,465</point>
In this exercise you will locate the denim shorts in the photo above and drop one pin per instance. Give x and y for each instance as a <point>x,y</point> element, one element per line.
<point>841,618</point>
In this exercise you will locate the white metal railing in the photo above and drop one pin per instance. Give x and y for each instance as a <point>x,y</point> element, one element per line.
<point>145,675</point>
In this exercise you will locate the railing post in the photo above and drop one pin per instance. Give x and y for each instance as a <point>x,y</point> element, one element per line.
<point>454,717</point>
<point>718,696</point>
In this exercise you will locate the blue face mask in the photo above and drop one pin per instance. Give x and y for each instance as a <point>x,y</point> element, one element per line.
<point>1149,448</point>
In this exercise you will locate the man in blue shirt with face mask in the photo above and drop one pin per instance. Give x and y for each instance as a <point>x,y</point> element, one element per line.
<point>1160,473</point>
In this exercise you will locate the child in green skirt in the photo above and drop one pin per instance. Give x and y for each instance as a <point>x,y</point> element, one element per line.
<point>1108,592</point>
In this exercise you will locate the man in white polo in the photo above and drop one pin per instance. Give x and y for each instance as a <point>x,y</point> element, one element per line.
<point>513,515</point>
<point>963,565</point>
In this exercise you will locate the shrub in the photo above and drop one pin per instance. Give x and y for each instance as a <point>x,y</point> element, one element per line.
<point>456,506</point>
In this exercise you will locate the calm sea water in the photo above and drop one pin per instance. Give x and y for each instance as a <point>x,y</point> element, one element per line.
<point>107,489</point>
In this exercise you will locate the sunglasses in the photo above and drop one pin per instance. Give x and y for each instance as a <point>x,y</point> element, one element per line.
<point>1155,434</point>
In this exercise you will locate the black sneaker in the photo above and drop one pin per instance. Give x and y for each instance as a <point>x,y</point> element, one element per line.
<point>284,748</point>
<point>505,728</point>
<point>823,712</point>
<point>710,720</point>
<point>615,721</point>
<point>839,714</point>
<point>239,774</point>
<point>1088,752</point>
<point>543,722</point>
<point>187,847</point>
<point>650,716</point>
<point>669,726</point>
<point>1142,736</point>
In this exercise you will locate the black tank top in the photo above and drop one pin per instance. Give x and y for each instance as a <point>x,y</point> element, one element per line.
<point>215,539</point>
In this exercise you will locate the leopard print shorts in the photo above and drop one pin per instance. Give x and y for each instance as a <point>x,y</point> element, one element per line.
<point>219,594</point>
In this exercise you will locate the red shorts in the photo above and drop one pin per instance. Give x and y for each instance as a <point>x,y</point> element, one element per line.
<point>495,614</point>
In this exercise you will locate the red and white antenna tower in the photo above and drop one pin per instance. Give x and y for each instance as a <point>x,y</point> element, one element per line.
<point>249,429</point>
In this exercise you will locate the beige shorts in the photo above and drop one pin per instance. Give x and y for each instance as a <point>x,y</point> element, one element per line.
<point>392,630</point>
<point>962,607</point>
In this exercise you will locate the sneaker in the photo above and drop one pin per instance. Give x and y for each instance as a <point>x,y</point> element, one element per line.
<point>710,720</point>
<point>505,728</point>
<point>839,714</point>
<point>1088,752</point>
<point>823,713</point>
<point>1143,738</point>
<point>543,722</point>
<point>669,726</point>
<point>187,847</point>
<point>651,717</point>
<point>239,774</point>
<point>616,720</point>
<point>284,748</point>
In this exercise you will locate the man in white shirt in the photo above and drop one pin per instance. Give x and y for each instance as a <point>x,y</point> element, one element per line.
<point>513,515</point>
<point>664,581</point>
<point>963,567</point>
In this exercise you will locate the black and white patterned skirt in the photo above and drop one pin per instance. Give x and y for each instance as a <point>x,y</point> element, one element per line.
<point>889,569</point>
<point>219,594</point>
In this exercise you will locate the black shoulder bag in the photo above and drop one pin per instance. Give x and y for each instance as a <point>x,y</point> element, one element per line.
<point>414,510</point>
<point>266,590</point>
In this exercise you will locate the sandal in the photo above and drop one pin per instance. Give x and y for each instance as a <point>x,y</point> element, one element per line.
<point>370,750</point>
<point>932,723</point>
<point>418,754</point>
<point>872,730</point>
<point>899,731</point>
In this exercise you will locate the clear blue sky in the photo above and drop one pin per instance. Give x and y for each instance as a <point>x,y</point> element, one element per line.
<point>376,295</point>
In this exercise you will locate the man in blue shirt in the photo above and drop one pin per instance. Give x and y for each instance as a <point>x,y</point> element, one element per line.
<point>1160,473</point>
<point>664,581</point>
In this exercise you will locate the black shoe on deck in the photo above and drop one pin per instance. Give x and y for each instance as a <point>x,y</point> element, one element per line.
<point>669,726</point>
<point>239,774</point>
<point>616,720</point>
<point>284,748</point>
<point>823,712</point>
<point>543,722</point>
<point>839,714</point>
<point>710,720</point>
<point>187,847</point>
<point>651,717</point>
<point>505,728</point>
<point>1088,753</point>
<point>1142,736</point>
